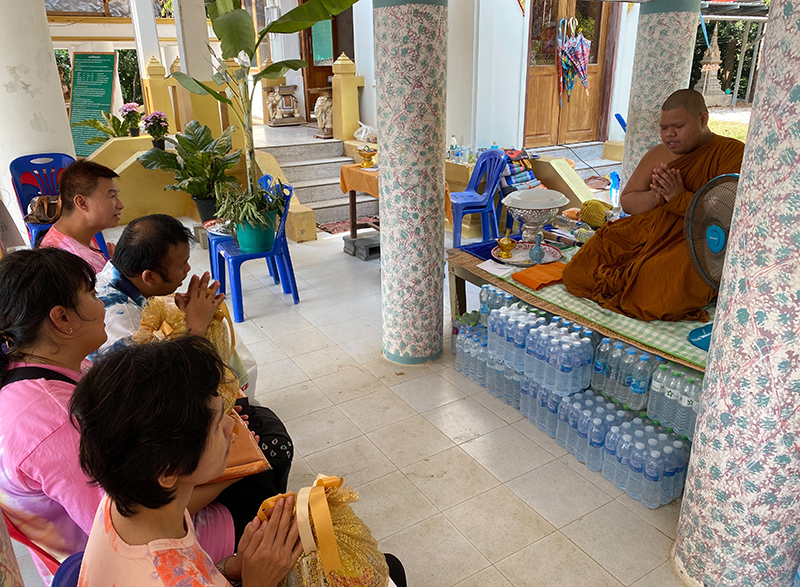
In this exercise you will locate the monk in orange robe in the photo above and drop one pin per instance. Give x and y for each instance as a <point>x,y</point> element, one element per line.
<point>638,266</point>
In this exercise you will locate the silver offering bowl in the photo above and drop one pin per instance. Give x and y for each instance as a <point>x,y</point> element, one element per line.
<point>533,209</point>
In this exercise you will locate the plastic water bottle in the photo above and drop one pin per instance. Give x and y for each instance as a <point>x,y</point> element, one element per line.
<point>625,377</point>
<point>541,413</point>
<point>562,427</point>
<point>584,423</point>
<point>670,404</point>
<point>460,350</point>
<point>635,484</point>
<point>565,366</point>
<point>612,369</point>
<point>552,414</point>
<point>610,453</point>
<point>685,410</point>
<point>653,477</point>
<point>484,300</point>
<point>473,361</point>
<point>640,380</point>
<point>680,472</point>
<point>624,447</point>
<point>467,357</point>
<point>481,369</point>
<point>668,481</point>
<point>587,363</point>
<point>594,450</point>
<point>577,366</point>
<point>551,372</point>
<point>657,389</point>
<point>575,411</point>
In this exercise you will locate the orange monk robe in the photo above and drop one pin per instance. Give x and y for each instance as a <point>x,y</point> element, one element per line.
<point>638,266</point>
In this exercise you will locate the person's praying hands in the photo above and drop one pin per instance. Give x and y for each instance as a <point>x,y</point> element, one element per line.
<point>199,303</point>
<point>666,182</point>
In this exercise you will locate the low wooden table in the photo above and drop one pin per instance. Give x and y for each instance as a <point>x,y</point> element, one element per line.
<point>463,267</point>
<point>352,179</point>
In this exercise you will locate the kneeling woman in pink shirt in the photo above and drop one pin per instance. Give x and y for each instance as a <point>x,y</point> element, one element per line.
<point>153,427</point>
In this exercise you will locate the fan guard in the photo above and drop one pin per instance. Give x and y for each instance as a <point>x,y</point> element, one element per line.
<point>707,224</point>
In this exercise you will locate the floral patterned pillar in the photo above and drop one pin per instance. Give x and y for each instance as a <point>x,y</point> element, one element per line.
<point>740,519</point>
<point>411,73</point>
<point>662,63</point>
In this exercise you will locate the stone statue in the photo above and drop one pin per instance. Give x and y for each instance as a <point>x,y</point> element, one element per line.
<point>323,111</point>
<point>274,105</point>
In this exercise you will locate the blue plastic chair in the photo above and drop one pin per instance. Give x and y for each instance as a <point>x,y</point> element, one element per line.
<point>38,175</point>
<point>68,571</point>
<point>491,164</point>
<point>279,254</point>
<point>33,176</point>
<point>214,240</point>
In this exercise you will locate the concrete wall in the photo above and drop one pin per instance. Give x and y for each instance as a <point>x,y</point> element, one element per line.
<point>501,75</point>
<point>624,70</point>
<point>363,41</point>
<point>494,90</point>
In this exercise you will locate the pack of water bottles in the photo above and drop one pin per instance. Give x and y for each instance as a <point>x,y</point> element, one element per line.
<point>541,364</point>
<point>670,393</point>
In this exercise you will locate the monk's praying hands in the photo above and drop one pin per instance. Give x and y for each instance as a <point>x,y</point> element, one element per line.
<point>666,182</point>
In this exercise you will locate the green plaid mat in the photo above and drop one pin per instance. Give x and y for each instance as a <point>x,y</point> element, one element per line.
<point>669,337</point>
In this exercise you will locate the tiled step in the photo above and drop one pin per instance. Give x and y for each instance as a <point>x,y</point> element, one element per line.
<point>317,190</point>
<point>305,151</point>
<point>600,166</point>
<point>296,171</point>
<point>339,209</point>
<point>575,151</point>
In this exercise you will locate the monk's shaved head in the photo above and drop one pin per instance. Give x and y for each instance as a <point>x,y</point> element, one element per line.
<point>690,100</point>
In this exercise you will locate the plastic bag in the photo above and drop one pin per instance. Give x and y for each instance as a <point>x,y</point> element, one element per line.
<point>366,133</point>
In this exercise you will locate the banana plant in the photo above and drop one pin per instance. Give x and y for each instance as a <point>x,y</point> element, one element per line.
<point>112,127</point>
<point>233,26</point>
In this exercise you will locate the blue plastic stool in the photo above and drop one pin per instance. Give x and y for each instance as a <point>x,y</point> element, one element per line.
<point>278,256</point>
<point>491,163</point>
<point>68,572</point>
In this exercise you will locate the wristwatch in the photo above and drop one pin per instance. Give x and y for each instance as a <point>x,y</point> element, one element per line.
<point>221,568</point>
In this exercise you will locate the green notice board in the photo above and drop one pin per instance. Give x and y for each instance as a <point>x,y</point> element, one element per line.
<point>322,42</point>
<point>92,93</point>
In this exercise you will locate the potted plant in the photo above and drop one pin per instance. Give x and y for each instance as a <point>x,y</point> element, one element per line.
<point>111,126</point>
<point>130,114</point>
<point>253,218</point>
<point>234,28</point>
<point>200,164</point>
<point>156,125</point>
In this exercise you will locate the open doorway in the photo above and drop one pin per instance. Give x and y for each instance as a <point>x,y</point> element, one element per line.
<point>575,118</point>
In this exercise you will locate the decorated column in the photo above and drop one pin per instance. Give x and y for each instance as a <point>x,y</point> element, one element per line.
<point>411,72</point>
<point>33,118</point>
<point>662,64</point>
<point>740,519</point>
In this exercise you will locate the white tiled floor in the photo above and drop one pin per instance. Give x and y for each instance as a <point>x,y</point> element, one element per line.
<point>452,481</point>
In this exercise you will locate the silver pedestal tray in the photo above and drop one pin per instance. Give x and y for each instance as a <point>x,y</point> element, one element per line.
<point>533,209</point>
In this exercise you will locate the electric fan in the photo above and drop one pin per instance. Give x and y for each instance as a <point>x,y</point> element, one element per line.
<point>706,229</point>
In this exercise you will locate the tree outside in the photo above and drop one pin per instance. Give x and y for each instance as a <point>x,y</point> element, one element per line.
<point>729,37</point>
<point>127,65</point>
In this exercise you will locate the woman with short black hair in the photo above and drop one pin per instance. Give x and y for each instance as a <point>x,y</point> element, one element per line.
<point>152,429</point>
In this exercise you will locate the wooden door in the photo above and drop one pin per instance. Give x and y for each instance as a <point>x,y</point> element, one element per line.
<point>570,119</point>
<point>318,48</point>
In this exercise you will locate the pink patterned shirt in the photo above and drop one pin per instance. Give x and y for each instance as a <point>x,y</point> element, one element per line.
<point>108,560</point>
<point>43,490</point>
<point>92,255</point>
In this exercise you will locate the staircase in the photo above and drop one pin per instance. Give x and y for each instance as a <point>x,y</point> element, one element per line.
<point>588,158</point>
<point>312,169</point>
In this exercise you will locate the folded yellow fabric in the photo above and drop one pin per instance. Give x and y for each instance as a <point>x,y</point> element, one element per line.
<point>540,276</point>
